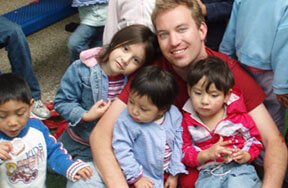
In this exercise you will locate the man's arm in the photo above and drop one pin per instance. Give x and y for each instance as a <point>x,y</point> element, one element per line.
<point>275,161</point>
<point>101,146</point>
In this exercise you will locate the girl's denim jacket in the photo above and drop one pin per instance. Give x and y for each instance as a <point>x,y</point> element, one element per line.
<point>81,87</point>
<point>81,3</point>
<point>140,147</point>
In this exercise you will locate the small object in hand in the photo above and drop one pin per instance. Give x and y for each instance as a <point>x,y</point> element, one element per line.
<point>18,146</point>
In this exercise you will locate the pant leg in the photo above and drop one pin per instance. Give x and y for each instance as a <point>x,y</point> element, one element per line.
<point>13,38</point>
<point>94,182</point>
<point>243,175</point>
<point>83,38</point>
<point>275,108</point>
<point>75,149</point>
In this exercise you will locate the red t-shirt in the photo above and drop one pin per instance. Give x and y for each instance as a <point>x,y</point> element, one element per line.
<point>252,92</point>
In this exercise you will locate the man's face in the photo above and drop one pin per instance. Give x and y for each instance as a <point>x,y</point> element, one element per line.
<point>180,39</point>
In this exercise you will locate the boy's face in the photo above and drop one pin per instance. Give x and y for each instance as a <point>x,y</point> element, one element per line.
<point>14,116</point>
<point>142,109</point>
<point>207,104</point>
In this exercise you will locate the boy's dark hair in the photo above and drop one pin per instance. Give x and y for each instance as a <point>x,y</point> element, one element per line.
<point>216,71</point>
<point>133,34</point>
<point>158,85</point>
<point>13,87</point>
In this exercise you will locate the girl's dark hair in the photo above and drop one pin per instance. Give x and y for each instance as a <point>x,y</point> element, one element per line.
<point>215,70</point>
<point>14,88</point>
<point>158,85</point>
<point>133,34</point>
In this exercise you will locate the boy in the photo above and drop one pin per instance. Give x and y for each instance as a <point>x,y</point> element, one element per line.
<point>147,139</point>
<point>25,144</point>
<point>220,138</point>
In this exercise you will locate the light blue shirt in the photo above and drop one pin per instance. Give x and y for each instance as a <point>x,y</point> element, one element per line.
<point>141,147</point>
<point>257,35</point>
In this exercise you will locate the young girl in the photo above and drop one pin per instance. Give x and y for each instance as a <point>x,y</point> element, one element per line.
<point>220,138</point>
<point>90,83</point>
<point>147,137</point>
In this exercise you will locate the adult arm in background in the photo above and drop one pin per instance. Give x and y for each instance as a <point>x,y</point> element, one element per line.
<point>275,161</point>
<point>216,10</point>
<point>101,146</point>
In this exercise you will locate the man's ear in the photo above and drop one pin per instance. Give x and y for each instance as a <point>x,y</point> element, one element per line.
<point>203,31</point>
<point>227,96</point>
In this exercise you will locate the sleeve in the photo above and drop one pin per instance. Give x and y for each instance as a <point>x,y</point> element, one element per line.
<point>279,56</point>
<point>58,158</point>
<point>122,144</point>
<point>176,166</point>
<point>190,153</point>
<point>68,97</point>
<point>219,10</point>
<point>252,138</point>
<point>227,45</point>
<point>111,26</point>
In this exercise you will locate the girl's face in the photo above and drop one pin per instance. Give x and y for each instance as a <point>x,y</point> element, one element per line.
<point>207,104</point>
<point>142,110</point>
<point>14,116</point>
<point>126,59</point>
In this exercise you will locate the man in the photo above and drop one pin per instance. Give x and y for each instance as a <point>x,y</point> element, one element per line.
<point>13,38</point>
<point>181,32</point>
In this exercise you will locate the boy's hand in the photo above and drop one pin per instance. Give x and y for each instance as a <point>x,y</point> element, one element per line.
<point>219,149</point>
<point>96,111</point>
<point>84,173</point>
<point>5,149</point>
<point>240,156</point>
<point>171,182</point>
<point>144,182</point>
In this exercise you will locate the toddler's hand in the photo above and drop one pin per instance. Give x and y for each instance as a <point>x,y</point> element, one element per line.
<point>84,173</point>
<point>96,111</point>
<point>219,149</point>
<point>171,182</point>
<point>144,182</point>
<point>5,149</point>
<point>241,156</point>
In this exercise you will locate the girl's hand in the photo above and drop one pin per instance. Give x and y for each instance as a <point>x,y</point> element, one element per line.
<point>241,156</point>
<point>171,182</point>
<point>5,149</point>
<point>84,173</point>
<point>96,111</point>
<point>144,182</point>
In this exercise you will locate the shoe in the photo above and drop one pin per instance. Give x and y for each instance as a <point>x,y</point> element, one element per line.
<point>40,111</point>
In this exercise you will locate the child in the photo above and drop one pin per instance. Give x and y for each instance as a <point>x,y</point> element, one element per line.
<point>92,82</point>
<point>26,144</point>
<point>122,13</point>
<point>89,33</point>
<point>147,137</point>
<point>220,138</point>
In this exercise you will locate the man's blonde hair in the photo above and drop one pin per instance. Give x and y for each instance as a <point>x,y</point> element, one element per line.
<point>164,5</point>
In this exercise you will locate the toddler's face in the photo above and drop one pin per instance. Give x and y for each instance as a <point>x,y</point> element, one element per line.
<point>142,109</point>
<point>13,117</point>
